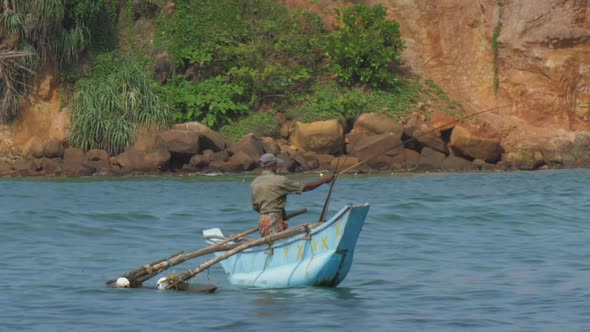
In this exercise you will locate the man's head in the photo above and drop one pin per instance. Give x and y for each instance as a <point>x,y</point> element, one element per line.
<point>269,160</point>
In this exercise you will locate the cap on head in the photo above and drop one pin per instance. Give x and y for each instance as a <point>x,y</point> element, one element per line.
<point>269,159</point>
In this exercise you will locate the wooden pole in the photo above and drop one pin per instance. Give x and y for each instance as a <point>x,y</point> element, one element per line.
<point>178,282</point>
<point>138,276</point>
<point>360,163</point>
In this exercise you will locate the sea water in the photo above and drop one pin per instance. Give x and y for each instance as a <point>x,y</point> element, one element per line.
<point>438,252</point>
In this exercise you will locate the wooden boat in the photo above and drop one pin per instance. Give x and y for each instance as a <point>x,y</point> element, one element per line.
<point>321,257</point>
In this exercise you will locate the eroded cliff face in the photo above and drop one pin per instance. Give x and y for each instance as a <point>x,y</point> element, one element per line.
<point>543,64</point>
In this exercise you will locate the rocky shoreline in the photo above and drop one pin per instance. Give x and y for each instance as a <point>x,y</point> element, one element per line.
<point>417,145</point>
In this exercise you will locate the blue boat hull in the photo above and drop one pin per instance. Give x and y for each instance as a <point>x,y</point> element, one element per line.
<point>322,258</point>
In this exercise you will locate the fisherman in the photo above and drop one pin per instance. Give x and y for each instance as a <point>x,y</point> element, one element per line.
<point>269,194</point>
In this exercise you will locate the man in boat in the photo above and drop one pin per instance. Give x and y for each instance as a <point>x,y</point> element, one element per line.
<point>269,194</point>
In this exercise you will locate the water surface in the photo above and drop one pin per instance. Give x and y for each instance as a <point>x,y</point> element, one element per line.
<point>439,252</point>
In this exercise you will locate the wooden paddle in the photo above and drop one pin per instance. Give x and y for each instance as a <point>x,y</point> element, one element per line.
<point>141,274</point>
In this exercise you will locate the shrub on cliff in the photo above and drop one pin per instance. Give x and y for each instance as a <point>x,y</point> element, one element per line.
<point>364,46</point>
<point>108,106</point>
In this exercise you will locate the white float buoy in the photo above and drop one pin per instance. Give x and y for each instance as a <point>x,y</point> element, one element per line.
<point>162,283</point>
<point>122,283</point>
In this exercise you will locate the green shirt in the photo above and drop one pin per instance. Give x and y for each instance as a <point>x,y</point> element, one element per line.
<point>269,192</point>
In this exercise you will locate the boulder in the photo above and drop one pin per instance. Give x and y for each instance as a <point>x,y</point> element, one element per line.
<point>431,139</point>
<point>384,162</point>
<point>325,137</point>
<point>102,166</point>
<point>6,168</point>
<point>476,142</point>
<point>23,167</point>
<point>453,163</point>
<point>97,155</point>
<point>199,161</point>
<point>242,162</point>
<point>377,123</point>
<point>431,160</point>
<point>74,156</point>
<point>343,162</point>
<point>411,159</point>
<point>249,145</point>
<point>415,122</point>
<point>51,166</point>
<point>208,138</point>
<point>53,149</point>
<point>441,121</point>
<point>76,169</point>
<point>301,161</point>
<point>220,156</point>
<point>142,161</point>
<point>352,139</point>
<point>156,160</point>
<point>270,145</point>
<point>524,159</point>
<point>324,160</point>
<point>372,146</point>
<point>180,141</point>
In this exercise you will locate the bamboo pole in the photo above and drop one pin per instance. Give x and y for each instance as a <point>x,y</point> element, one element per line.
<point>180,282</point>
<point>138,276</point>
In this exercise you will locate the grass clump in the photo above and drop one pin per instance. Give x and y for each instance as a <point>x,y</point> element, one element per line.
<point>108,106</point>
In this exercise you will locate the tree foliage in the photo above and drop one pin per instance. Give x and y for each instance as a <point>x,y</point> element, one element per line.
<point>365,46</point>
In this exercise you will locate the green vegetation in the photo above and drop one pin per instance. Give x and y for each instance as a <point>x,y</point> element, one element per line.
<point>108,106</point>
<point>260,124</point>
<point>365,46</point>
<point>231,60</point>
<point>213,101</point>
<point>39,32</point>
<point>497,31</point>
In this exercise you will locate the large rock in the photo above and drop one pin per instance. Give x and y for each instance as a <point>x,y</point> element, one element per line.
<point>429,138</point>
<point>457,164</point>
<point>325,137</point>
<point>441,121</point>
<point>53,148</point>
<point>344,162</point>
<point>97,155</point>
<point>141,160</point>
<point>209,139</point>
<point>369,147</point>
<point>180,141</point>
<point>74,156</point>
<point>377,123</point>
<point>249,145</point>
<point>431,160</point>
<point>476,142</point>
<point>524,160</point>
<point>411,159</point>
<point>270,145</point>
<point>76,169</point>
